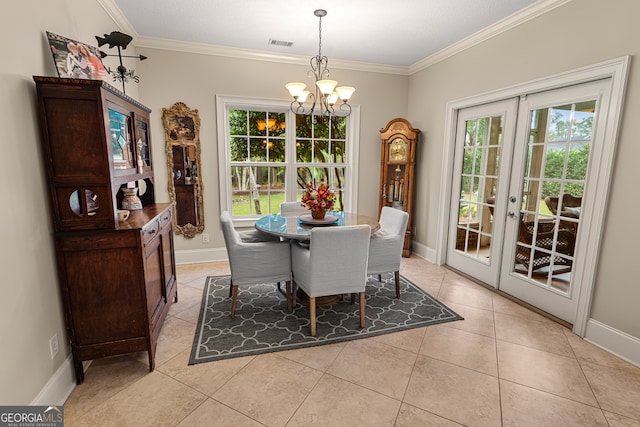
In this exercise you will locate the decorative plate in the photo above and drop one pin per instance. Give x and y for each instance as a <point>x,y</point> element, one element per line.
<point>327,220</point>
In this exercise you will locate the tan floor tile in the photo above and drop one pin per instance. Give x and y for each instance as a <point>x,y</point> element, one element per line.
<point>176,336</point>
<point>410,416</point>
<point>336,402</point>
<point>524,406</point>
<point>614,420</point>
<point>269,389</point>
<point>476,320</point>
<point>461,348</point>
<point>155,400</point>
<point>204,377</point>
<point>587,352</point>
<point>319,357</point>
<point>418,267</point>
<point>375,365</point>
<point>408,340</point>
<point>617,390</point>
<point>466,295</point>
<point>188,306</point>
<point>544,371</point>
<point>215,414</point>
<point>543,336</point>
<point>459,394</point>
<point>506,306</point>
<point>453,278</point>
<point>103,379</point>
<point>186,273</point>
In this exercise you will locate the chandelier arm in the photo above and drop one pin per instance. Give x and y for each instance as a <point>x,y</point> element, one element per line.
<point>347,109</point>
<point>320,105</point>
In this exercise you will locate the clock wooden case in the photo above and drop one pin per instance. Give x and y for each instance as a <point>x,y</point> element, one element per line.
<point>117,279</point>
<point>397,169</point>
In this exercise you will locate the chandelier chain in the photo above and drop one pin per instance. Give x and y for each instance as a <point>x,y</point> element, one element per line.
<point>325,93</point>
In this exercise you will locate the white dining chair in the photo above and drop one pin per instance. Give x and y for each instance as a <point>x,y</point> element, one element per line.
<point>253,262</point>
<point>385,250</point>
<point>293,209</point>
<point>335,263</point>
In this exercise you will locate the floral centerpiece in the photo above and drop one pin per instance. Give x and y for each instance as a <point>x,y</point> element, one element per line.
<point>318,199</point>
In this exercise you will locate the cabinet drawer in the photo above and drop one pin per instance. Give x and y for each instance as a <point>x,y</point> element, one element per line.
<point>150,231</point>
<point>165,218</point>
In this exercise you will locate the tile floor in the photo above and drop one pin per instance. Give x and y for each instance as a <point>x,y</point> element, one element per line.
<point>502,365</point>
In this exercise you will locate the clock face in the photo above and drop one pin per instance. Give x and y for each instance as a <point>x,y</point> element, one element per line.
<point>398,150</point>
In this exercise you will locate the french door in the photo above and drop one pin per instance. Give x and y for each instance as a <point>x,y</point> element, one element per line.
<point>550,195</point>
<point>479,194</point>
<point>521,190</point>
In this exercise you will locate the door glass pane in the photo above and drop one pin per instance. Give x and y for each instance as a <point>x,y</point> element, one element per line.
<point>478,184</point>
<point>552,190</point>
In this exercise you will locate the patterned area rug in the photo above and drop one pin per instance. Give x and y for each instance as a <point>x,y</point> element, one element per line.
<point>263,324</point>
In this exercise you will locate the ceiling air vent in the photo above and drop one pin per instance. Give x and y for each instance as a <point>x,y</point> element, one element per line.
<point>281,43</point>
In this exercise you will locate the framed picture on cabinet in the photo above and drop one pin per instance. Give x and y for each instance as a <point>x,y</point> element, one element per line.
<point>74,59</point>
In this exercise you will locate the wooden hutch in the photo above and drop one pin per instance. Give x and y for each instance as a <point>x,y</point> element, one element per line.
<point>397,168</point>
<point>117,279</point>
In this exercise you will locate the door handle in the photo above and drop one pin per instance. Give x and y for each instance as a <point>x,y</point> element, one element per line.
<point>511,215</point>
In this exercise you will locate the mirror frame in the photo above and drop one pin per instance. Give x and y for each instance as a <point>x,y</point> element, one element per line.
<point>172,120</point>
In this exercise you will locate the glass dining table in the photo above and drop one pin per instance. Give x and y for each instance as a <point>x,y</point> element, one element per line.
<point>298,227</point>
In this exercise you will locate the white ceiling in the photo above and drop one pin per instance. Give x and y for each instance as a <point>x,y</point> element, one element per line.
<point>395,33</point>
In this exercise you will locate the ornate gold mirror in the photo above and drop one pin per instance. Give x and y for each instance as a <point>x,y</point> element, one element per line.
<point>182,130</point>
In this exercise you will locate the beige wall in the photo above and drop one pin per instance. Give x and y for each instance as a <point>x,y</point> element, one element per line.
<point>576,34</point>
<point>30,307</point>
<point>196,79</point>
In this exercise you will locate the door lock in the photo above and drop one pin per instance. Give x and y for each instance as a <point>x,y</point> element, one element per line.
<point>512,199</point>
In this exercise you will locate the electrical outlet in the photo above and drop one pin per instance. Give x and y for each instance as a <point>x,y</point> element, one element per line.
<point>53,345</point>
<point>205,238</point>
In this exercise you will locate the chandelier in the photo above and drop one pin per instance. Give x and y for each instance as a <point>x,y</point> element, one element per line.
<point>326,93</point>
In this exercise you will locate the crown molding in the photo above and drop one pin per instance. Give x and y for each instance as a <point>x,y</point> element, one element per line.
<point>118,18</point>
<point>260,55</point>
<point>533,11</point>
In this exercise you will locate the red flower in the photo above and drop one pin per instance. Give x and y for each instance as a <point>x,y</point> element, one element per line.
<point>318,198</point>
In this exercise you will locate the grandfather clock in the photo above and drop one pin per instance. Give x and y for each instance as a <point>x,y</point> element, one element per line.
<point>397,164</point>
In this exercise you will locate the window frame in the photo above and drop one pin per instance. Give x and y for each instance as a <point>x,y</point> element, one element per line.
<point>225,103</point>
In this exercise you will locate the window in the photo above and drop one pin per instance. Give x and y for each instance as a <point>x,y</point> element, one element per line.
<point>267,155</point>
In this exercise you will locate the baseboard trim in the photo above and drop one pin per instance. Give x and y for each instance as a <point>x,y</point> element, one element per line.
<point>59,387</point>
<point>616,342</point>
<point>196,256</point>
<point>424,252</point>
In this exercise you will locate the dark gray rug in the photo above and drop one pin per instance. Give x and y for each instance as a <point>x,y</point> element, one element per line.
<point>263,324</point>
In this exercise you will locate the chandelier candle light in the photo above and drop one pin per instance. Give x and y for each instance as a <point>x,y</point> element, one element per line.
<point>326,92</point>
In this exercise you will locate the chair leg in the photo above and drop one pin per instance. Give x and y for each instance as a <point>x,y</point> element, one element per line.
<point>380,278</point>
<point>397,274</point>
<point>361,309</point>
<point>233,301</point>
<point>294,293</point>
<point>289,299</point>
<point>353,298</point>
<point>312,315</point>
<point>231,288</point>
